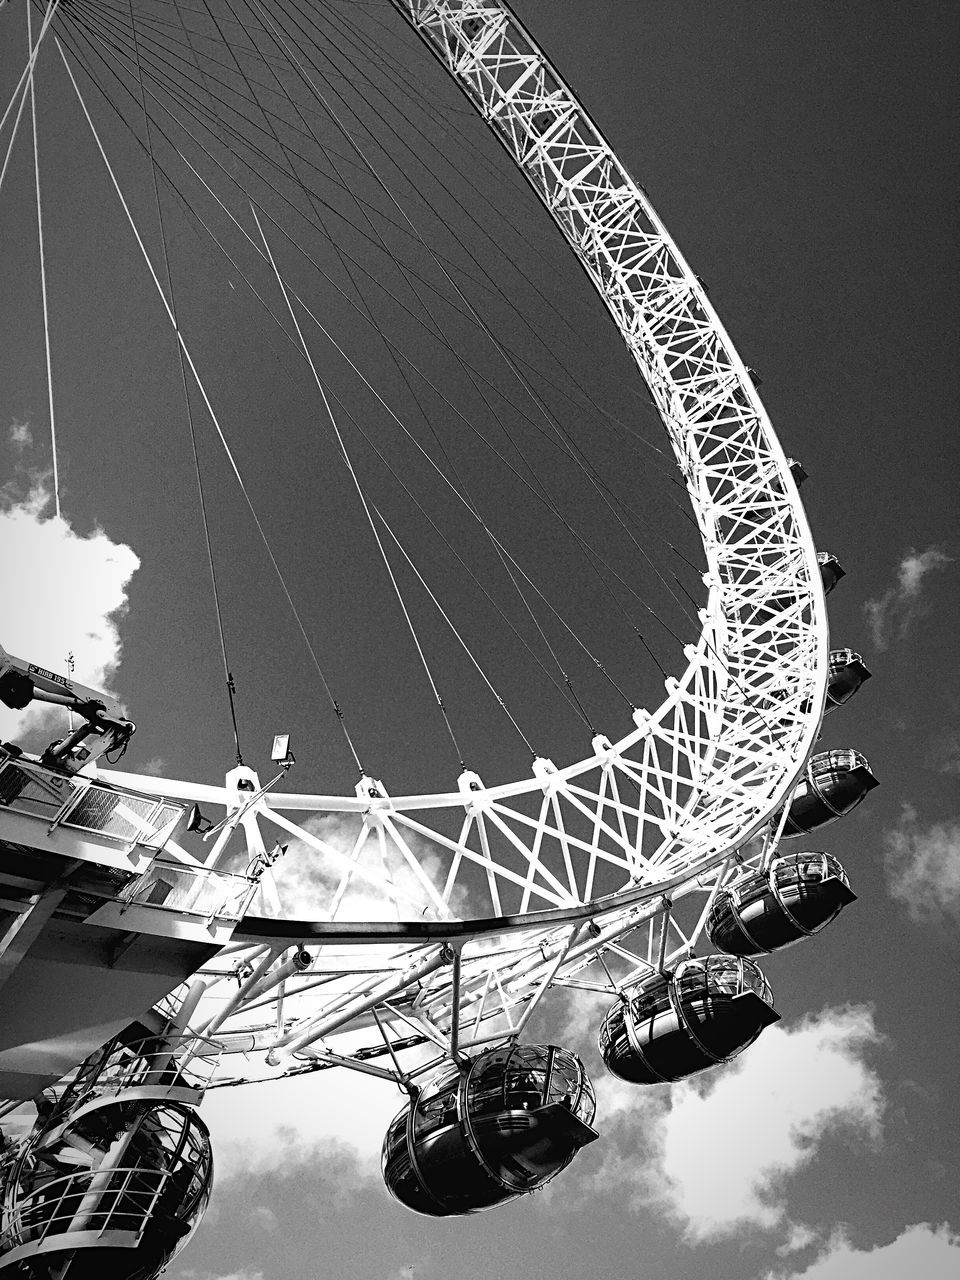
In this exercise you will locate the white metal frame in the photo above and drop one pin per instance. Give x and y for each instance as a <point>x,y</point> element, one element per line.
<point>538,876</point>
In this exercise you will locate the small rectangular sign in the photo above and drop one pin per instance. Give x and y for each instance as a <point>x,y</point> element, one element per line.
<point>48,675</point>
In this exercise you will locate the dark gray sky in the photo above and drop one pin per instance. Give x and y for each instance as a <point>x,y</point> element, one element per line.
<point>804,158</point>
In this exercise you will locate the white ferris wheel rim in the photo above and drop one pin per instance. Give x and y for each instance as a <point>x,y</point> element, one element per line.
<point>779,695</point>
<point>562,851</point>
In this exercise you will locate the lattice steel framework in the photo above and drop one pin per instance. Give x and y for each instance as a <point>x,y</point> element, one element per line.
<point>491,894</point>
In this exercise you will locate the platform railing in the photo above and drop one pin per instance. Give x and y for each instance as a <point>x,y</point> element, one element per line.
<point>193,890</point>
<point>83,804</point>
<point>124,1199</point>
<point>156,1065</point>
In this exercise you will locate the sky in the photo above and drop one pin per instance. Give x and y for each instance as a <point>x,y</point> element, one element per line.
<point>802,158</point>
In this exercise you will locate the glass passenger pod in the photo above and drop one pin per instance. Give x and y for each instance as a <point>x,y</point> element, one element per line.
<point>831,570</point>
<point>797,470</point>
<point>763,613</point>
<point>847,673</point>
<point>671,1025</point>
<point>764,911</point>
<point>124,1197</point>
<point>833,784</point>
<point>494,1128</point>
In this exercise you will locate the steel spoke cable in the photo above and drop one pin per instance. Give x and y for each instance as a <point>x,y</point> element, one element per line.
<point>402,602</point>
<point>673,479</point>
<point>472,502</point>
<point>432,463</point>
<point>579,459</point>
<point>43,262</point>
<point>27,72</point>
<point>392,72</point>
<point>624,583</point>
<point>644,603</point>
<point>333,49</point>
<point>213,416</point>
<point>24,98</point>
<point>406,489</point>
<point>178,76</point>
<point>347,459</point>
<point>193,112</point>
<point>228,675</point>
<point>363,497</point>
<point>403,142</point>
<point>619,577</point>
<point>575,454</point>
<point>390,294</point>
<point>375,173</point>
<point>398,479</point>
<point>633,435</point>
<point>459,637</point>
<point>534,330</point>
<point>393,356</point>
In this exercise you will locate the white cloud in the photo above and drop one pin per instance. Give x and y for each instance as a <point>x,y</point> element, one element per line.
<point>716,1153</point>
<point>209,1275</point>
<point>62,591</point>
<point>892,614</point>
<point>156,766</point>
<point>265,1218</point>
<point>338,1116</point>
<point>307,880</point>
<point>921,1250</point>
<point>923,866</point>
<point>800,1237</point>
<point>20,435</point>
<point>943,754</point>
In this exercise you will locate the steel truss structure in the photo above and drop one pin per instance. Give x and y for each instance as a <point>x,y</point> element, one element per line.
<point>478,900</point>
<point>493,894</point>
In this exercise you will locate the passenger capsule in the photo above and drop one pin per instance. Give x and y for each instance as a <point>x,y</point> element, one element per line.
<point>834,783</point>
<point>847,673</point>
<point>125,1210</point>
<point>763,911</point>
<point>671,1025</point>
<point>489,1130</point>
<point>831,570</point>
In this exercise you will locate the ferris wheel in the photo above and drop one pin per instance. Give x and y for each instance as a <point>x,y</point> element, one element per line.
<point>649,868</point>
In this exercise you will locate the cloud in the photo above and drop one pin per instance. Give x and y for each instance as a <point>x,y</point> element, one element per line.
<point>156,766</point>
<point>800,1237</point>
<point>209,1275</point>
<point>892,614</point>
<point>20,435</point>
<point>716,1154</point>
<point>923,866</point>
<point>921,1250</point>
<point>265,1219</point>
<point>944,753</point>
<point>336,1117</point>
<point>309,881</point>
<point>63,592</point>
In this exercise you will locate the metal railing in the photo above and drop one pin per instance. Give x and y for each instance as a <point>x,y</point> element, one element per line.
<point>155,1064</point>
<point>198,891</point>
<point>81,804</point>
<point>122,1199</point>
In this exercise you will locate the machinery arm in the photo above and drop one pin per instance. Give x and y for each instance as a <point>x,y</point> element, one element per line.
<point>103,726</point>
